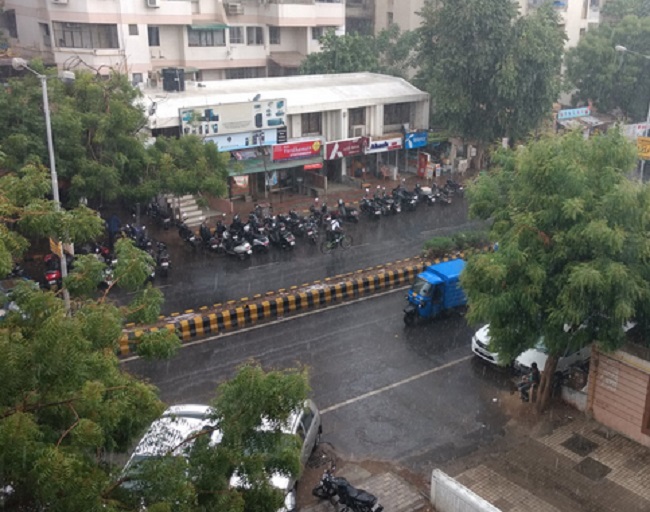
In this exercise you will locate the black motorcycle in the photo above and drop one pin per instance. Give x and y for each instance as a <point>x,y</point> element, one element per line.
<point>189,236</point>
<point>347,213</point>
<point>354,500</point>
<point>163,261</point>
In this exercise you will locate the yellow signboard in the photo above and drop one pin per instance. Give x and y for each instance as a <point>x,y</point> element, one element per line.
<point>643,145</point>
<point>55,247</point>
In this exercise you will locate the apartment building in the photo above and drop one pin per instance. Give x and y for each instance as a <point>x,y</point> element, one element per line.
<point>577,16</point>
<point>206,39</point>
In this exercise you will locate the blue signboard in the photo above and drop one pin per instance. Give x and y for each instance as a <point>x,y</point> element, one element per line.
<point>415,140</point>
<point>572,113</point>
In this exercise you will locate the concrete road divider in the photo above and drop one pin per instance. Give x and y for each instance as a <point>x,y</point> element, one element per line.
<point>282,303</point>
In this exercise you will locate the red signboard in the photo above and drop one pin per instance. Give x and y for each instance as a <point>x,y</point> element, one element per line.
<point>312,167</point>
<point>296,150</point>
<point>343,148</point>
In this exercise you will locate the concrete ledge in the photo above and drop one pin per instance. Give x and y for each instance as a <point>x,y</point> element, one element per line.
<point>448,495</point>
<point>281,303</point>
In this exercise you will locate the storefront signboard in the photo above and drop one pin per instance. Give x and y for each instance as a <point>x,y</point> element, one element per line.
<point>382,145</point>
<point>573,113</point>
<point>643,145</point>
<point>245,140</point>
<point>296,150</point>
<point>312,167</point>
<point>233,117</point>
<point>343,148</point>
<point>415,140</point>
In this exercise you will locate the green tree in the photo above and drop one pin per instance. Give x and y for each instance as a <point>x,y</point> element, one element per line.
<point>490,73</point>
<point>615,10</point>
<point>97,125</point>
<point>611,80</point>
<point>202,480</point>
<point>387,53</point>
<point>571,264</point>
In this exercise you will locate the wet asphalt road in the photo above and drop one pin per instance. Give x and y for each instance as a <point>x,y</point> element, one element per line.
<point>414,396</point>
<point>203,279</point>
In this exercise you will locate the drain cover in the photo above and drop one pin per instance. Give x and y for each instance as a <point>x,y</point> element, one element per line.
<point>580,445</point>
<point>592,469</point>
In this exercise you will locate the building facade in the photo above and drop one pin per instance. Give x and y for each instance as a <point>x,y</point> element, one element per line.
<point>297,132</point>
<point>577,16</point>
<point>207,39</point>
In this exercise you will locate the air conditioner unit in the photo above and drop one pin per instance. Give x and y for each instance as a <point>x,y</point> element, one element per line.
<point>153,4</point>
<point>359,130</point>
<point>234,8</point>
<point>60,2</point>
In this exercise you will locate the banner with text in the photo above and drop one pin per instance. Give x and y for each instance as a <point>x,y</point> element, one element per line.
<point>415,140</point>
<point>643,145</point>
<point>296,150</point>
<point>343,148</point>
<point>381,145</point>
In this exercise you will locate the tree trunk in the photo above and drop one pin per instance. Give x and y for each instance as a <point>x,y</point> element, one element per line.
<point>546,383</point>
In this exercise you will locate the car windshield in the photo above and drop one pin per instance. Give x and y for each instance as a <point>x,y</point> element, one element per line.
<point>421,287</point>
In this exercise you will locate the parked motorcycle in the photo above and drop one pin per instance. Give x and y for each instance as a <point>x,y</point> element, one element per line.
<point>161,215</point>
<point>407,200</point>
<point>425,194</point>
<point>234,246</point>
<point>455,188</point>
<point>281,236</point>
<point>163,261</point>
<point>354,500</point>
<point>370,207</point>
<point>258,240</point>
<point>189,236</point>
<point>347,213</point>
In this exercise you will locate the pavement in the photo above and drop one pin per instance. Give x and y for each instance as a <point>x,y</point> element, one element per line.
<point>560,461</point>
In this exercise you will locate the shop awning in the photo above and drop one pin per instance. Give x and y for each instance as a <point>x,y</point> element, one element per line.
<point>287,59</point>
<point>256,165</point>
<point>209,26</point>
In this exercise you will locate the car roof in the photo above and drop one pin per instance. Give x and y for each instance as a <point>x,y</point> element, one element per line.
<point>174,426</point>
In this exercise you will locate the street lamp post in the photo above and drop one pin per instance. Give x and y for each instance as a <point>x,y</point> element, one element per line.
<point>20,64</point>
<point>623,49</point>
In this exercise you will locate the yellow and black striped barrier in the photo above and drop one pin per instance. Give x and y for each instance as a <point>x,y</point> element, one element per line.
<point>300,299</point>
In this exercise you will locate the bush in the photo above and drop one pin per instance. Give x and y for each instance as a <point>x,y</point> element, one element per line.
<point>438,247</point>
<point>470,239</point>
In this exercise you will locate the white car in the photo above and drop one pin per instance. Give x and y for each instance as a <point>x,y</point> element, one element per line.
<point>480,346</point>
<point>538,354</point>
<point>167,433</point>
<point>306,424</point>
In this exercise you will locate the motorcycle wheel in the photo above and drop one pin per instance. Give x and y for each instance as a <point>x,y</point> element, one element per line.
<point>325,247</point>
<point>346,242</point>
<point>321,493</point>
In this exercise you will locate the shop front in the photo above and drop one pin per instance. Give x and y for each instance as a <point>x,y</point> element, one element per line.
<point>271,171</point>
<point>382,155</point>
<point>346,158</point>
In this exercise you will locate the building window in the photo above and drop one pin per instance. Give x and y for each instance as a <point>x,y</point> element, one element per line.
<point>311,123</point>
<point>236,35</point>
<point>397,113</point>
<point>317,33</point>
<point>136,78</point>
<point>85,35</point>
<point>357,116</point>
<point>254,36</point>
<point>274,35</point>
<point>133,30</point>
<point>45,33</point>
<point>206,37</point>
<point>233,74</point>
<point>154,35</point>
<point>389,18</point>
<point>8,20</point>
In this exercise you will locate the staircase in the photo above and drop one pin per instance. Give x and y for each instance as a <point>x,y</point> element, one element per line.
<point>189,210</point>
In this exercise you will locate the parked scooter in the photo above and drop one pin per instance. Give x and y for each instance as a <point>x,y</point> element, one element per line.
<point>258,240</point>
<point>281,236</point>
<point>354,500</point>
<point>455,188</point>
<point>370,207</point>
<point>425,194</point>
<point>234,246</point>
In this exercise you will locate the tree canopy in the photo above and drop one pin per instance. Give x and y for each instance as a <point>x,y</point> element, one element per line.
<point>97,126</point>
<point>573,246</point>
<point>390,52</point>
<point>613,80</point>
<point>490,72</point>
<point>615,10</point>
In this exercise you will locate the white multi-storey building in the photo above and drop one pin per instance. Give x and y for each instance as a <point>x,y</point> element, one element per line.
<point>207,39</point>
<point>577,16</point>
